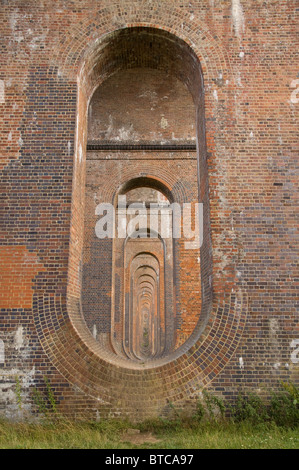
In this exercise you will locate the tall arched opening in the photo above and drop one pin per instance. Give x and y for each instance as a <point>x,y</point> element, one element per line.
<point>141,119</point>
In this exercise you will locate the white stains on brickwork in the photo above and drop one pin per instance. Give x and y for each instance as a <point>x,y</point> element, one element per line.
<point>18,340</point>
<point>15,392</point>
<point>241,363</point>
<point>239,79</point>
<point>295,94</point>
<point>279,136</point>
<point>164,122</point>
<point>273,326</point>
<point>2,92</point>
<point>59,73</point>
<point>215,94</point>
<point>110,127</point>
<point>151,95</point>
<point>295,352</point>
<point>7,393</point>
<point>126,133</point>
<point>37,40</point>
<point>15,380</point>
<point>89,112</point>
<point>80,152</point>
<point>94,331</point>
<point>238,18</point>
<point>14,19</point>
<point>220,256</point>
<point>114,132</point>
<point>21,25</point>
<point>2,352</point>
<point>96,199</point>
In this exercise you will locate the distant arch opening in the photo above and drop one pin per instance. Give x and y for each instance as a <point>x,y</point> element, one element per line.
<point>143,261</point>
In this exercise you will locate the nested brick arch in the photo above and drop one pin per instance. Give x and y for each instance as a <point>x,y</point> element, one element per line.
<point>163,183</point>
<point>143,336</point>
<point>144,253</point>
<point>63,333</point>
<point>163,180</point>
<point>117,250</point>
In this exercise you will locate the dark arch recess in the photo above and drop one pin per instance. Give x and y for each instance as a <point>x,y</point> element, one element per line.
<point>146,182</point>
<point>135,47</point>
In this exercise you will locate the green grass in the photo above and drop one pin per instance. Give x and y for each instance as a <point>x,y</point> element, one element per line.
<point>113,435</point>
<point>248,423</point>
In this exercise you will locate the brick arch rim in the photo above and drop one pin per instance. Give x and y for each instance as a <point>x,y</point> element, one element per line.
<point>148,181</point>
<point>169,359</point>
<point>170,188</point>
<point>103,21</point>
<point>229,317</point>
<point>201,62</point>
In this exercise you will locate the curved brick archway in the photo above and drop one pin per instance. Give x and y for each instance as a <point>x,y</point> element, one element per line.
<point>78,44</point>
<point>62,332</point>
<point>138,393</point>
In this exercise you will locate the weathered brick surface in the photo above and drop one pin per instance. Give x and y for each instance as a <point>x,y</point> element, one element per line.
<point>237,60</point>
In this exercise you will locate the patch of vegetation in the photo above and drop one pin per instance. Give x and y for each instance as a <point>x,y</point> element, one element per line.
<point>282,408</point>
<point>248,423</point>
<point>64,434</point>
<point>45,402</point>
<point>18,392</point>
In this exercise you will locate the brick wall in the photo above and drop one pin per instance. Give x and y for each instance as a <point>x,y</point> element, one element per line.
<point>231,88</point>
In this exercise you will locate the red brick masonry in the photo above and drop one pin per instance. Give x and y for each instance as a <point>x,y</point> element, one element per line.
<point>222,75</point>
